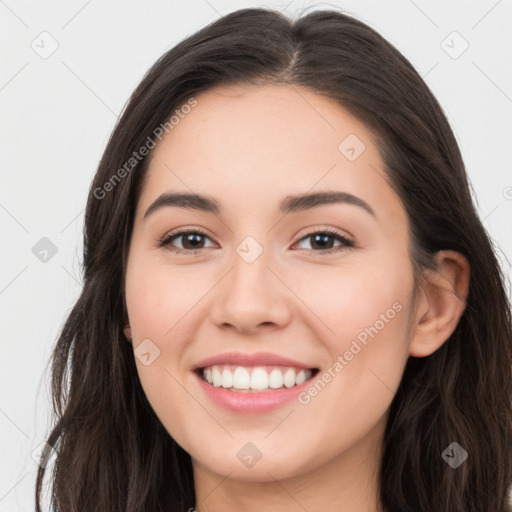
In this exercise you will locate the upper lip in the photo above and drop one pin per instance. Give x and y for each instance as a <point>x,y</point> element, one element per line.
<point>254,359</point>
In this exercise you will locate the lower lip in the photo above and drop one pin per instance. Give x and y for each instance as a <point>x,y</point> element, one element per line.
<point>252,402</point>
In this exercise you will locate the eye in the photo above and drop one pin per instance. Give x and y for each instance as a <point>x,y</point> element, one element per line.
<point>193,241</point>
<point>320,239</point>
<point>190,238</point>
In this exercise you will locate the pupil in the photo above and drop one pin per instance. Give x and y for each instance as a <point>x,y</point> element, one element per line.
<point>187,237</point>
<point>322,244</point>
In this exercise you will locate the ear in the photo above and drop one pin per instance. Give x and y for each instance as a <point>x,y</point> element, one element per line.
<point>127,333</point>
<point>440,304</point>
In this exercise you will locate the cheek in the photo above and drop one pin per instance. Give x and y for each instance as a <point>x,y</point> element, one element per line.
<point>364,317</point>
<point>353,298</point>
<point>159,302</point>
<point>368,354</point>
<point>158,296</point>
<point>162,305</point>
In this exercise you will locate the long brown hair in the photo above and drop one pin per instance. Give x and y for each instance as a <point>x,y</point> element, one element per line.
<point>114,455</point>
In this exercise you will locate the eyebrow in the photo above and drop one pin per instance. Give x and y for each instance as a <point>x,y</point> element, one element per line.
<point>290,204</point>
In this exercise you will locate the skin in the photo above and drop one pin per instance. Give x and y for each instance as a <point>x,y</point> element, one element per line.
<point>249,147</point>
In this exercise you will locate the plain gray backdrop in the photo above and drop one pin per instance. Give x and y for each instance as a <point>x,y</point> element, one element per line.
<point>67,70</point>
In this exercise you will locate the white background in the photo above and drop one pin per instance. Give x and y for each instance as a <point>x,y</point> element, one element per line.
<point>56,115</point>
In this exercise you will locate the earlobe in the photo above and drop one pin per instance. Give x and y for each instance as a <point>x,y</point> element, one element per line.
<point>127,333</point>
<point>441,303</point>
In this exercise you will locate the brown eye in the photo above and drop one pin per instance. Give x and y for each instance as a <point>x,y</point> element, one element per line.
<point>320,239</point>
<point>191,241</point>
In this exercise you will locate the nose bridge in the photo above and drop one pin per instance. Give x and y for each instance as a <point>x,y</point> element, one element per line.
<point>250,268</point>
<point>250,286</point>
<point>251,294</point>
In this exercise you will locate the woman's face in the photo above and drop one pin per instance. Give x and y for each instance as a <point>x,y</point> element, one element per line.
<point>258,282</point>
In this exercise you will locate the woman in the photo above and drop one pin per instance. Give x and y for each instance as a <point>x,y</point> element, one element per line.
<point>221,356</point>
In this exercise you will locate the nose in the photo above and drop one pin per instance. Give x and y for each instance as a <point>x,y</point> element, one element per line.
<point>251,297</point>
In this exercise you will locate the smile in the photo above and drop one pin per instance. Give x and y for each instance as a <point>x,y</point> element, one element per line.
<point>238,394</point>
<point>255,378</point>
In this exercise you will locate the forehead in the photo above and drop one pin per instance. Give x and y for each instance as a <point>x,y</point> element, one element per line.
<point>245,144</point>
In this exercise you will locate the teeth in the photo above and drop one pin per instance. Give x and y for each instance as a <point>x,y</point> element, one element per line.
<point>275,379</point>
<point>227,379</point>
<point>241,378</point>
<point>217,377</point>
<point>301,377</point>
<point>289,378</point>
<point>260,378</point>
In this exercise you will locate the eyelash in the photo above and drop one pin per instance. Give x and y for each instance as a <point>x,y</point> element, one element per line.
<point>346,243</point>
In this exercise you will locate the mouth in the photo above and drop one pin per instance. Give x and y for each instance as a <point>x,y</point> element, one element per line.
<point>255,379</point>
